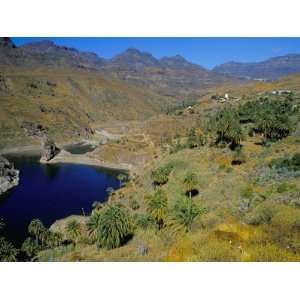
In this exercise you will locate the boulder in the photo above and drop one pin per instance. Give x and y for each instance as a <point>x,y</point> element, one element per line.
<point>9,176</point>
<point>50,150</point>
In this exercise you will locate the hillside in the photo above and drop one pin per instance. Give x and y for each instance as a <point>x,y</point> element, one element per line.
<point>241,203</point>
<point>270,69</point>
<point>67,103</point>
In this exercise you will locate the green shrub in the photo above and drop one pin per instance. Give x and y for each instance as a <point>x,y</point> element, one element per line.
<point>134,204</point>
<point>247,192</point>
<point>144,220</point>
<point>184,213</point>
<point>190,183</point>
<point>270,253</point>
<point>262,214</point>
<point>238,157</point>
<point>7,251</point>
<point>157,207</point>
<point>283,187</point>
<point>160,175</point>
<point>291,163</point>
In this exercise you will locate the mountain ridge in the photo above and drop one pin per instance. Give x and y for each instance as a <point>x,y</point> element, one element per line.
<point>270,69</point>
<point>170,76</point>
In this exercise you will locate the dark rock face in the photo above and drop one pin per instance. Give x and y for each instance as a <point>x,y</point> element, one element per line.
<point>50,150</point>
<point>34,130</point>
<point>6,42</point>
<point>9,176</point>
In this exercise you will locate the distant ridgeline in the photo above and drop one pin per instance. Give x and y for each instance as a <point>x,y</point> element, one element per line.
<point>271,69</point>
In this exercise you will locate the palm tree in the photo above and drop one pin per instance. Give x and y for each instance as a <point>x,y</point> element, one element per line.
<point>158,207</point>
<point>115,226</point>
<point>54,239</point>
<point>93,225</point>
<point>73,230</point>
<point>7,251</point>
<point>122,177</point>
<point>190,182</point>
<point>36,228</point>
<point>30,247</point>
<point>160,176</point>
<point>44,235</point>
<point>184,213</point>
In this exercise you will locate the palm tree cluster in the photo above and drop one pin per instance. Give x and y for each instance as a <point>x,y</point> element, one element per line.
<point>40,238</point>
<point>179,218</point>
<point>7,250</point>
<point>226,126</point>
<point>272,119</point>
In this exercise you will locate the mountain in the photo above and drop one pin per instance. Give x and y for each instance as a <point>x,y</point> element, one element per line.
<point>169,76</point>
<point>270,69</point>
<point>46,53</point>
<point>45,86</point>
<point>179,62</point>
<point>134,58</point>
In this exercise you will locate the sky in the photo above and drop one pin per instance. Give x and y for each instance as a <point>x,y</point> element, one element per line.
<point>207,52</point>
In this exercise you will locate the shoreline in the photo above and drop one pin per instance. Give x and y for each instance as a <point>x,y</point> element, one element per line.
<point>67,157</point>
<point>37,148</point>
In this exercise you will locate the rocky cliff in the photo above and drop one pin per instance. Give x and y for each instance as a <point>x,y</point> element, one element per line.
<point>9,176</point>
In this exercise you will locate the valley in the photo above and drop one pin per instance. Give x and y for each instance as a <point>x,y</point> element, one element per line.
<point>205,165</point>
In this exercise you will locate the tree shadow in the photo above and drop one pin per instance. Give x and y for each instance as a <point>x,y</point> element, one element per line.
<point>192,193</point>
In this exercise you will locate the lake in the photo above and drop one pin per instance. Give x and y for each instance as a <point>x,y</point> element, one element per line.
<point>51,192</point>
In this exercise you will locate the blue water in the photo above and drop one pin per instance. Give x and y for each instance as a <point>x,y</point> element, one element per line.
<point>51,192</point>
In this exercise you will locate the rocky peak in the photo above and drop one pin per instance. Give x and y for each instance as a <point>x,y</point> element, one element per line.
<point>62,55</point>
<point>178,61</point>
<point>135,57</point>
<point>6,42</point>
<point>46,46</point>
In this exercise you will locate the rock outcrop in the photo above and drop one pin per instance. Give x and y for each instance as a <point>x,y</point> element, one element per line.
<point>50,150</point>
<point>9,176</point>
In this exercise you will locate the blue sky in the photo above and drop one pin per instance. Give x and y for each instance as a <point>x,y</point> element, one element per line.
<point>207,52</point>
